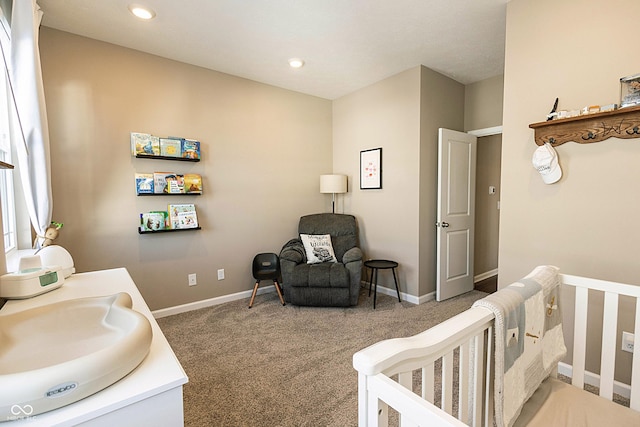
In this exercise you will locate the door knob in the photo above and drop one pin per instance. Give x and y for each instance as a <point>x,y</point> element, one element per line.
<point>444,224</point>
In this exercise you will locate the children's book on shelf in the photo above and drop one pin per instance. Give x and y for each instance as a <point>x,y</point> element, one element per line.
<point>190,149</point>
<point>171,147</point>
<point>153,221</point>
<point>145,144</point>
<point>182,215</point>
<point>175,183</point>
<point>160,181</point>
<point>144,183</point>
<point>192,183</point>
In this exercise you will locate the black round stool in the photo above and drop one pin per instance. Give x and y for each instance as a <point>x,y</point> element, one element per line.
<point>381,264</point>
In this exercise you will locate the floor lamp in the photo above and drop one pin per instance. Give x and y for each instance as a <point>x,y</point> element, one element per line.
<point>333,184</point>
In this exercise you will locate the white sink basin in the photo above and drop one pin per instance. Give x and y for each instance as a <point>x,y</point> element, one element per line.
<point>57,354</point>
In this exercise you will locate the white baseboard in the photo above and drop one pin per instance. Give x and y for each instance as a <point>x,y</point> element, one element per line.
<point>403,296</point>
<point>428,297</point>
<point>170,311</point>
<point>485,275</point>
<point>622,389</point>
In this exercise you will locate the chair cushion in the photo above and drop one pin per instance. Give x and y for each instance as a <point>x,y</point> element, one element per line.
<point>323,275</point>
<point>318,248</point>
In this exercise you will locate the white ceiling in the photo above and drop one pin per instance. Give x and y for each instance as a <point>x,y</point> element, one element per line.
<point>346,44</point>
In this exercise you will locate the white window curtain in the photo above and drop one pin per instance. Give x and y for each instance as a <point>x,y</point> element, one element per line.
<point>29,129</point>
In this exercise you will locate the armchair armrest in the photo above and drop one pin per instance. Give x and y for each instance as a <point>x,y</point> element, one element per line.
<point>353,254</point>
<point>293,251</point>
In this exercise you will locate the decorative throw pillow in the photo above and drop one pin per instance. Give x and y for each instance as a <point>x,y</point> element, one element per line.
<point>318,248</point>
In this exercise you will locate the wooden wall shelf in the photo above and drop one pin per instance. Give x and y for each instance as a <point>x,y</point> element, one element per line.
<point>623,123</point>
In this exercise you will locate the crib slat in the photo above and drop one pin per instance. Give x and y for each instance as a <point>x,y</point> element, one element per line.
<point>609,333</point>
<point>475,416</point>
<point>580,336</point>
<point>447,383</point>
<point>635,369</point>
<point>487,399</point>
<point>428,378</point>
<point>405,379</point>
<point>463,382</point>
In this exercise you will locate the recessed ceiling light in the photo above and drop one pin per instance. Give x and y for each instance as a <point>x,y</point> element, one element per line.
<point>296,62</point>
<point>142,12</point>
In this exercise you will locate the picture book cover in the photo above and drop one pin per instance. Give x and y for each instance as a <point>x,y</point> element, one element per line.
<point>160,181</point>
<point>144,144</point>
<point>171,147</point>
<point>182,215</point>
<point>144,183</point>
<point>153,221</point>
<point>165,218</point>
<point>192,183</point>
<point>175,183</point>
<point>190,149</point>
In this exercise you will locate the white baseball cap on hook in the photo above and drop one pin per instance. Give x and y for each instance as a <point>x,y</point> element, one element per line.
<point>545,161</point>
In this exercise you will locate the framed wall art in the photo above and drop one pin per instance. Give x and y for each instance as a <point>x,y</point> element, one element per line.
<point>371,169</point>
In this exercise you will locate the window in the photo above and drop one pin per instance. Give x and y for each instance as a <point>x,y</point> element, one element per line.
<point>6,176</point>
<point>8,206</point>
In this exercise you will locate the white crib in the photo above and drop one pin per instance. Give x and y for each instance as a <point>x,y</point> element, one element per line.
<point>388,371</point>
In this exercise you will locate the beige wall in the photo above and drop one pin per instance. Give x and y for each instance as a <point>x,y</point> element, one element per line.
<point>442,106</point>
<point>263,149</point>
<point>483,102</point>
<point>401,114</point>
<point>587,223</point>
<point>385,114</point>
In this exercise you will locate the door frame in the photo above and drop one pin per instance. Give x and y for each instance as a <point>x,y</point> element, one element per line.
<point>495,130</point>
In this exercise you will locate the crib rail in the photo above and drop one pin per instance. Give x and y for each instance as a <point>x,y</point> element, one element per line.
<point>419,356</point>
<point>389,370</point>
<point>612,292</point>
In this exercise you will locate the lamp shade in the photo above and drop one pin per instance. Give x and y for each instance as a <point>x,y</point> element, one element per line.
<point>333,184</point>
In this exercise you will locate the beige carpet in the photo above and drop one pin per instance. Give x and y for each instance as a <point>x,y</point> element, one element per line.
<point>286,366</point>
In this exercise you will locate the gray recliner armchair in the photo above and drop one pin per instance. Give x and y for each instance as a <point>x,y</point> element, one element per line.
<point>335,284</point>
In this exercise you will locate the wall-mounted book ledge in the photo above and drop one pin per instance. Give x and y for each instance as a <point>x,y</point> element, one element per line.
<point>167,230</point>
<point>623,123</point>
<point>169,194</point>
<point>157,157</point>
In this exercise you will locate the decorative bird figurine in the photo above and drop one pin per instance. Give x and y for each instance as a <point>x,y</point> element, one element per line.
<point>552,113</point>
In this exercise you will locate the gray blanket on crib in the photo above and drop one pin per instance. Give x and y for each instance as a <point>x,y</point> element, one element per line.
<point>528,339</point>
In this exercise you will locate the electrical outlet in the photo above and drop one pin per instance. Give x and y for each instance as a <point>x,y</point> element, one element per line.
<point>627,342</point>
<point>221,274</point>
<point>192,279</point>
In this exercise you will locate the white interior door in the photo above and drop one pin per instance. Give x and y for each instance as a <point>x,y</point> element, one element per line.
<point>456,213</point>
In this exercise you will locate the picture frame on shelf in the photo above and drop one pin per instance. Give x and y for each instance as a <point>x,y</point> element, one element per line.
<point>371,169</point>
